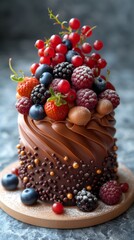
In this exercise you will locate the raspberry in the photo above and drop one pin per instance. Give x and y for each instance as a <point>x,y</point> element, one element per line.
<point>110,193</point>
<point>112,96</point>
<point>82,77</point>
<point>86,98</point>
<point>23,105</point>
<point>86,201</point>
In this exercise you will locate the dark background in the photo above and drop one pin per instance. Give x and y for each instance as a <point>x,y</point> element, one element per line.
<point>22,22</point>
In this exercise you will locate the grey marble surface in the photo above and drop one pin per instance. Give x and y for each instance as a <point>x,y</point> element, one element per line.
<point>116,17</point>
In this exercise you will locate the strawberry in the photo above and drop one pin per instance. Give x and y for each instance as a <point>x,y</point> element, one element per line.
<point>25,87</point>
<point>56,107</point>
<point>25,84</point>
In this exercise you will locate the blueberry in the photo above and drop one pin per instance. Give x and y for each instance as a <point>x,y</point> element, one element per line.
<point>29,196</point>
<point>10,181</point>
<point>37,112</point>
<point>41,69</point>
<point>99,85</point>
<point>46,79</point>
<point>68,43</point>
<point>70,54</point>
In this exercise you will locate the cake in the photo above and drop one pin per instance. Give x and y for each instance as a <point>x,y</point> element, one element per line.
<point>67,146</point>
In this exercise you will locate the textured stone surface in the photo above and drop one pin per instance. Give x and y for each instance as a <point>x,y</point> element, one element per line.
<point>114,20</point>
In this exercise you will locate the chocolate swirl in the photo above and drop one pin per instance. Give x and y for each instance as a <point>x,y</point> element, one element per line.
<point>92,142</point>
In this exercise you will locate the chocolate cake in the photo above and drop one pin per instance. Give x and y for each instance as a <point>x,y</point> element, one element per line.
<point>67,117</point>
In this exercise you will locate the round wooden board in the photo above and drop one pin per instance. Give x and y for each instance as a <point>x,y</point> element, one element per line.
<point>42,215</point>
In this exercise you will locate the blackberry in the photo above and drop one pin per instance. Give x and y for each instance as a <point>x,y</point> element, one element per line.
<point>40,94</point>
<point>86,201</point>
<point>63,70</point>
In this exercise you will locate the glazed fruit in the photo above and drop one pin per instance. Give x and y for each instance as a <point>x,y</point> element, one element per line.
<point>36,112</point>
<point>86,201</point>
<point>23,105</point>
<point>82,77</point>
<point>110,193</point>
<point>29,196</point>
<point>79,115</point>
<point>58,208</point>
<point>86,98</point>
<point>10,181</point>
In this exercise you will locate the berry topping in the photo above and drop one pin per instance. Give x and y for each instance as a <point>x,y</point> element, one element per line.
<point>39,44</point>
<point>63,86</point>
<point>70,54</point>
<point>112,96</point>
<point>98,45</point>
<point>124,187</point>
<point>86,98</point>
<point>15,171</point>
<point>46,79</point>
<point>82,77</point>
<point>99,85</point>
<point>34,67</point>
<point>63,70</point>
<point>74,23</point>
<point>39,94</point>
<point>68,43</point>
<point>41,69</point>
<point>86,201</point>
<point>56,107</point>
<point>110,193</point>
<point>23,105</point>
<point>10,181</point>
<point>71,96</point>
<point>29,196</point>
<point>54,84</point>
<point>36,112</point>
<point>58,208</point>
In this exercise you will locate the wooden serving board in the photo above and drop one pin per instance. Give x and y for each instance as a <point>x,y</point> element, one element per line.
<point>42,215</point>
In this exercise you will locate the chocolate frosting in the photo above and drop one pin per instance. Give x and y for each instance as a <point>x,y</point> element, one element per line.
<point>67,139</point>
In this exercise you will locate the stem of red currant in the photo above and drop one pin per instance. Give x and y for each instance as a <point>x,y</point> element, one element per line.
<point>15,76</point>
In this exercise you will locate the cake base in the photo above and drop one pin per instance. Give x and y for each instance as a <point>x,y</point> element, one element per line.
<point>42,215</point>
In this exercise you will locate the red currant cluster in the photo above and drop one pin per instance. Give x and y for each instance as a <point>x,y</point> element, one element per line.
<point>72,46</point>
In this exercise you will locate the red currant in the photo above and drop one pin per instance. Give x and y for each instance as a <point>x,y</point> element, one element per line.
<point>58,58</point>
<point>63,86</point>
<point>86,31</point>
<point>95,56</point>
<point>71,96</point>
<point>41,52</point>
<point>124,187</point>
<point>33,68</point>
<point>45,60</point>
<point>39,44</point>
<point>58,208</point>
<point>102,76</point>
<point>77,61</point>
<point>77,49</point>
<point>74,37</point>
<point>86,47</point>
<point>15,171</point>
<point>55,40</point>
<point>101,63</point>
<point>61,48</point>
<point>74,23</point>
<point>90,62</point>
<point>98,45</point>
<point>49,51</point>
